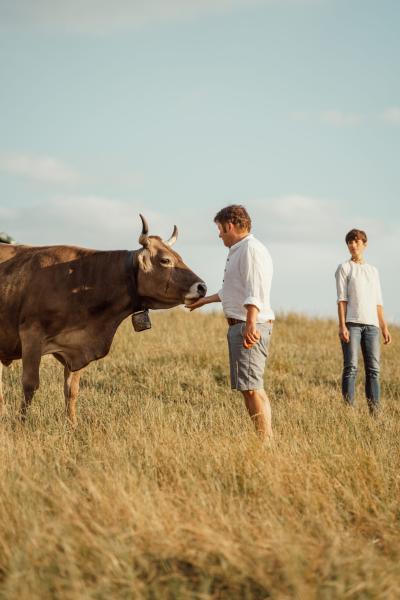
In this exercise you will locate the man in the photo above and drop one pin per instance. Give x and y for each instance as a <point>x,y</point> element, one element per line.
<point>245,297</point>
<point>360,310</point>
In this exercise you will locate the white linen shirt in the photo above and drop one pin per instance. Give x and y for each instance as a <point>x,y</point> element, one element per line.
<point>358,284</point>
<point>247,280</point>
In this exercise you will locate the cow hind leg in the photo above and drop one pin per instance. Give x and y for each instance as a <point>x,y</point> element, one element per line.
<point>2,404</point>
<point>71,390</point>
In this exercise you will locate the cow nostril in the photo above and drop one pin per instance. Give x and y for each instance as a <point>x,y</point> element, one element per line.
<point>201,289</point>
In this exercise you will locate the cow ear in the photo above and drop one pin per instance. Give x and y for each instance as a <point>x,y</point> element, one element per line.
<point>144,261</point>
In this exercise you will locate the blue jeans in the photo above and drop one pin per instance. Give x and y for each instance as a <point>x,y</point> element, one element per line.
<point>366,336</point>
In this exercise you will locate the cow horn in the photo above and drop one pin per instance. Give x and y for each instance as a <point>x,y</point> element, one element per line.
<point>173,237</point>
<point>145,231</point>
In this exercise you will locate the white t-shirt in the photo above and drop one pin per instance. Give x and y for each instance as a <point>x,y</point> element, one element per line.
<point>247,280</point>
<point>359,285</point>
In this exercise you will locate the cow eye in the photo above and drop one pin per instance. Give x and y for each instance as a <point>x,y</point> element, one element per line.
<point>166,261</point>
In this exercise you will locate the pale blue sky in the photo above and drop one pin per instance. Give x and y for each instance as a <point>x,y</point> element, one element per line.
<point>175,109</point>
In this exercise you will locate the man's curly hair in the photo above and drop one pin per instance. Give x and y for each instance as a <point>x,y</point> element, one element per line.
<point>236,214</point>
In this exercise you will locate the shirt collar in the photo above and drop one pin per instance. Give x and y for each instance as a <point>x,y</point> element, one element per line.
<point>240,243</point>
<point>362,264</point>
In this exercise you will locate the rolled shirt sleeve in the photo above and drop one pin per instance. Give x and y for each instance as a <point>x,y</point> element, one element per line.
<point>253,273</point>
<point>341,284</point>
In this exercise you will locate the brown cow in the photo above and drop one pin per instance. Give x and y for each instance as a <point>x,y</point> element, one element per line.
<point>69,301</point>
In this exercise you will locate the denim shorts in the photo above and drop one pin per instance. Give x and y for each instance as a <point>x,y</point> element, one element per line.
<point>247,365</point>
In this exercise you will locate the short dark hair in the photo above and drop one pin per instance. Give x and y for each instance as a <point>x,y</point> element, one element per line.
<point>236,214</point>
<point>356,234</point>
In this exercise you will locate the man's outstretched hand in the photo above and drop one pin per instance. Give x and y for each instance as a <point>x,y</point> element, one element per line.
<point>197,304</point>
<point>202,301</point>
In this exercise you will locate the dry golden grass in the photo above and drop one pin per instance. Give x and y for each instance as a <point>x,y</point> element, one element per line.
<point>164,491</point>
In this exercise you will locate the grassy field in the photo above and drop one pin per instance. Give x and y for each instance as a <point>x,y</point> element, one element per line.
<point>164,491</point>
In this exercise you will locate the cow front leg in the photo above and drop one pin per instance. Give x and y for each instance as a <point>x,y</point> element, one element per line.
<point>31,356</point>
<point>71,390</point>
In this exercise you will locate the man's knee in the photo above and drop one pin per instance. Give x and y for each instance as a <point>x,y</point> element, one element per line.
<point>249,394</point>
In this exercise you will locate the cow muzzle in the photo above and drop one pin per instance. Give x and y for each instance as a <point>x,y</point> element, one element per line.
<point>197,290</point>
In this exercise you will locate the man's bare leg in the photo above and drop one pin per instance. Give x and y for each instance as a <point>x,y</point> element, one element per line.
<point>268,411</point>
<point>259,409</point>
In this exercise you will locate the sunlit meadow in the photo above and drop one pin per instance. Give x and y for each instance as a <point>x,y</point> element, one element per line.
<point>164,491</point>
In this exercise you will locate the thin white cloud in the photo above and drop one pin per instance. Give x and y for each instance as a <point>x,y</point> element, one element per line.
<point>306,220</point>
<point>294,218</point>
<point>91,221</point>
<point>43,168</point>
<point>332,117</point>
<point>392,115</point>
<point>7,213</point>
<point>101,16</point>
<point>346,119</point>
<point>341,119</point>
<point>299,115</point>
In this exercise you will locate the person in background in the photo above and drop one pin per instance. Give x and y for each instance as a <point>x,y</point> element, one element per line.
<point>360,311</point>
<point>245,297</point>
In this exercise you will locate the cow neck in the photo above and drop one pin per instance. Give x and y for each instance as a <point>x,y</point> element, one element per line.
<point>132,269</point>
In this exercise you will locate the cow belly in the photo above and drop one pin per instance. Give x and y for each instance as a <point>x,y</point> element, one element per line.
<point>78,348</point>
